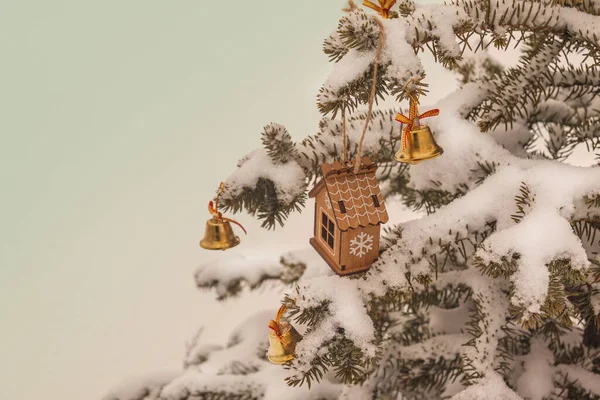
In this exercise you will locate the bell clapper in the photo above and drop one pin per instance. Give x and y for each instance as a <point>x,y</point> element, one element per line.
<point>219,235</point>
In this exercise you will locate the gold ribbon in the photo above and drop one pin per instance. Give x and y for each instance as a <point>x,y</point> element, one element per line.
<point>383,8</point>
<point>274,325</point>
<point>413,117</point>
<point>213,209</point>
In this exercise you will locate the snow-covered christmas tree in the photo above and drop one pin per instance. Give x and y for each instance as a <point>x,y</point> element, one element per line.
<point>495,292</point>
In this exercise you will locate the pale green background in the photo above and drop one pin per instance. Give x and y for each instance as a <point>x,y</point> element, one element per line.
<point>119,119</point>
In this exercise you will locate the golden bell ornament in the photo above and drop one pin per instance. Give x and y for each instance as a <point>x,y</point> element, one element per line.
<point>218,234</point>
<point>417,141</point>
<point>418,145</point>
<point>282,339</point>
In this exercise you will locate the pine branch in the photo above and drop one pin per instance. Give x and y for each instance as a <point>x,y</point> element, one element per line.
<point>306,316</point>
<point>359,31</point>
<point>421,378</point>
<point>278,143</point>
<point>524,201</point>
<point>263,201</point>
<point>334,47</point>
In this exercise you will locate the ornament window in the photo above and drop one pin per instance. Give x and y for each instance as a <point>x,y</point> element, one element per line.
<point>327,230</point>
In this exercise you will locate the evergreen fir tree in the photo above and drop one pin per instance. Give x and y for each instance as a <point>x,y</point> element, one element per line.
<point>495,292</point>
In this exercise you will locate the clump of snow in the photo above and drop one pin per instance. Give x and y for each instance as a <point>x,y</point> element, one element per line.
<point>346,310</point>
<point>142,387</point>
<point>404,64</point>
<point>315,265</point>
<point>541,237</point>
<point>447,346</point>
<point>311,345</point>
<point>444,321</point>
<point>289,178</point>
<point>443,19</point>
<point>199,354</point>
<point>536,383</point>
<point>490,296</point>
<point>491,387</point>
<point>350,68</point>
<point>464,146</point>
<point>586,379</point>
<point>577,22</point>
<point>226,271</point>
<point>247,352</point>
<point>193,383</point>
<point>513,138</point>
<point>352,392</point>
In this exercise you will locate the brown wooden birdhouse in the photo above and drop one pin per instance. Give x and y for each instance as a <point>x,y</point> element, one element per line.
<point>349,210</point>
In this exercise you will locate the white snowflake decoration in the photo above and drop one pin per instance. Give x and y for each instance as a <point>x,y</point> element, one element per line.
<point>361,244</point>
<point>328,202</point>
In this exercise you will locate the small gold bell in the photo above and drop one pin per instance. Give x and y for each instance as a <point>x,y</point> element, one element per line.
<point>282,339</point>
<point>417,141</point>
<point>418,145</point>
<point>219,235</point>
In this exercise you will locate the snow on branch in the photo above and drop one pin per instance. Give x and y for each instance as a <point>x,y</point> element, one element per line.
<point>492,388</point>
<point>241,371</point>
<point>142,388</point>
<point>442,25</point>
<point>345,311</point>
<point>583,378</point>
<point>348,84</point>
<point>230,275</point>
<point>484,214</point>
<point>265,187</point>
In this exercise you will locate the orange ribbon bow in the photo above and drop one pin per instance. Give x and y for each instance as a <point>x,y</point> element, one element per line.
<point>413,118</point>
<point>274,325</point>
<point>213,209</point>
<point>383,8</point>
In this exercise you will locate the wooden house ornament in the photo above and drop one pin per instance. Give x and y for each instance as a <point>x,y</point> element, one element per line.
<point>349,210</point>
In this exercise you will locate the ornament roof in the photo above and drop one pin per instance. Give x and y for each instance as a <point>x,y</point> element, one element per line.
<point>355,198</point>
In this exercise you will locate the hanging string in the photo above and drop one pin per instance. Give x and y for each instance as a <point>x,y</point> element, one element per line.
<point>357,162</point>
<point>344,135</point>
<point>351,7</point>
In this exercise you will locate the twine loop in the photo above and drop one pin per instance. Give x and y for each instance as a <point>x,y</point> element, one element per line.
<point>352,7</point>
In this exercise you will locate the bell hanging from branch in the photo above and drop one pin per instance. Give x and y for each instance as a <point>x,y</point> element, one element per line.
<point>418,143</point>
<point>218,234</point>
<point>282,339</point>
